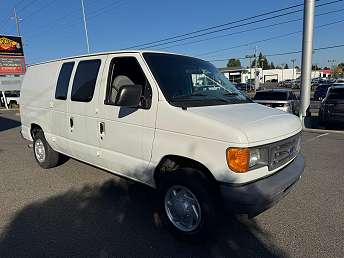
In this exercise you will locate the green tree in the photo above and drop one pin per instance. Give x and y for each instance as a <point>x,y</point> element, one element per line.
<point>286,66</point>
<point>339,70</point>
<point>262,62</point>
<point>233,62</point>
<point>272,65</point>
<point>341,65</point>
<point>315,67</point>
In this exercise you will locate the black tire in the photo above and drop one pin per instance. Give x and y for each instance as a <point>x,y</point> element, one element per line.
<point>51,157</point>
<point>205,194</point>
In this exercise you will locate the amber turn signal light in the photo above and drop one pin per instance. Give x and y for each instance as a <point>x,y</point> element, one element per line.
<point>238,159</point>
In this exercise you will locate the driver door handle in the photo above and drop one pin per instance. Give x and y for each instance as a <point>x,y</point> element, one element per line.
<point>101,128</point>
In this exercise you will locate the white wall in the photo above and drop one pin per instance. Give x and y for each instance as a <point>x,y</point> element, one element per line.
<point>279,74</point>
<point>8,83</point>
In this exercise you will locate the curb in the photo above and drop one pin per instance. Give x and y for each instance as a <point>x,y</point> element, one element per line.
<point>10,109</point>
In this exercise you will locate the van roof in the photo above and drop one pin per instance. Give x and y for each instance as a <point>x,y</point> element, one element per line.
<point>106,53</point>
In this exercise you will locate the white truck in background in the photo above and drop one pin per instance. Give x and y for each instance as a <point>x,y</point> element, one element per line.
<point>11,98</point>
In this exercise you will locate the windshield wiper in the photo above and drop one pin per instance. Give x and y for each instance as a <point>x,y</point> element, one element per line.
<point>186,96</point>
<point>230,94</point>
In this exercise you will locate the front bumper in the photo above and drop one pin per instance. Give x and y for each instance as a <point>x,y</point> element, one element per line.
<point>255,197</point>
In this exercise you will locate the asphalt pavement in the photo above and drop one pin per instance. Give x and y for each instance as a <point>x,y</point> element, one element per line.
<point>77,210</point>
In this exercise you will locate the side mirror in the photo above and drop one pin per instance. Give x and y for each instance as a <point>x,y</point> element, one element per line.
<point>129,96</point>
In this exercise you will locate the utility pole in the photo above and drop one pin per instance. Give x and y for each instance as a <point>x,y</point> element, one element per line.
<point>262,64</point>
<point>332,63</point>
<point>256,76</point>
<point>85,26</point>
<point>293,61</point>
<point>250,57</point>
<point>17,20</point>
<point>250,69</point>
<point>282,73</point>
<point>307,51</point>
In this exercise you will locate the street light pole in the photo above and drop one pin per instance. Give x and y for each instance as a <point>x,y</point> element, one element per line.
<point>85,26</point>
<point>17,20</point>
<point>307,50</point>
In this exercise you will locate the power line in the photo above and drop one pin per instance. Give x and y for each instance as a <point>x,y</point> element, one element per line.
<point>244,31</point>
<point>30,3</point>
<point>35,12</point>
<point>65,19</point>
<point>16,4</point>
<point>105,9</point>
<point>217,26</point>
<point>6,20</point>
<point>284,53</point>
<point>273,38</point>
<point>187,36</point>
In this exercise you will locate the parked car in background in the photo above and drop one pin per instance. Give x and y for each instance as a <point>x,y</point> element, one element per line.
<point>321,91</point>
<point>339,81</point>
<point>332,107</point>
<point>169,121</point>
<point>12,99</point>
<point>244,87</point>
<point>286,83</point>
<point>283,99</point>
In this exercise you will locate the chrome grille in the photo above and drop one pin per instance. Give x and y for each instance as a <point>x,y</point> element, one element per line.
<point>283,151</point>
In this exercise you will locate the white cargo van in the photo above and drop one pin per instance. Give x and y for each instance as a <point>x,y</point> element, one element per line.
<point>170,121</point>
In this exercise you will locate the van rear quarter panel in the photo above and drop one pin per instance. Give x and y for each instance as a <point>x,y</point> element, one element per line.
<point>37,90</point>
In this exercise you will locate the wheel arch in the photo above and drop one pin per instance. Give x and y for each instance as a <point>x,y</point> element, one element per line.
<point>170,163</point>
<point>34,128</point>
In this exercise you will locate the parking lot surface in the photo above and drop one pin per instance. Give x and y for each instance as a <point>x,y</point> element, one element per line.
<point>77,210</point>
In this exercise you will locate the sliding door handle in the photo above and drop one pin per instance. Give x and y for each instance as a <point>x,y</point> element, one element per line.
<point>71,122</point>
<point>101,128</point>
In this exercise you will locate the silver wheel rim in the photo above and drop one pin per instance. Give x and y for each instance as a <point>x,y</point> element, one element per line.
<point>182,208</point>
<point>39,150</point>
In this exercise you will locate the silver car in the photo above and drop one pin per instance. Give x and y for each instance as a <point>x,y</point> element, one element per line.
<point>283,99</point>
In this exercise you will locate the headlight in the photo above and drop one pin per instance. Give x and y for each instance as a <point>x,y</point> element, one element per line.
<point>241,160</point>
<point>259,157</point>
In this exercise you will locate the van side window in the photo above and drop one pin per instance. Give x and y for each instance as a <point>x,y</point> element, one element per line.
<point>85,80</point>
<point>127,71</point>
<point>63,81</point>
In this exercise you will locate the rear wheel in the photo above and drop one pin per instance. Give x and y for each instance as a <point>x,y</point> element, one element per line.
<point>45,156</point>
<point>187,204</point>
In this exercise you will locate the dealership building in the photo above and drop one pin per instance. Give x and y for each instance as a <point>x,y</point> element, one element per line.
<point>244,75</point>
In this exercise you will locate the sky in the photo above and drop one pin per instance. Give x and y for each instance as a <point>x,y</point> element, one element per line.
<point>54,28</point>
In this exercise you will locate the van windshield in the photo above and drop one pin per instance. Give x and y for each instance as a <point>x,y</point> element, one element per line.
<point>188,82</point>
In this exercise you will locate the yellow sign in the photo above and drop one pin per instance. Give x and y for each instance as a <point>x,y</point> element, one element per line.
<point>8,44</point>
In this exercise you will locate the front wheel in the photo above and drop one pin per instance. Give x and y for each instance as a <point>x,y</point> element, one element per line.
<point>187,204</point>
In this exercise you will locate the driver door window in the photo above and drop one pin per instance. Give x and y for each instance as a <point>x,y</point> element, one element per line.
<point>127,71</point>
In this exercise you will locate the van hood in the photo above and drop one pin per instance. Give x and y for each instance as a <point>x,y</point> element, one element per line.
<point>257,122</point>
<point>248,124</point>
